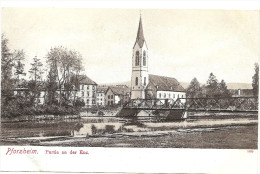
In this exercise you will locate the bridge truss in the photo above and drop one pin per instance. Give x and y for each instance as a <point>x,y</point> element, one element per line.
<point>228,104</point>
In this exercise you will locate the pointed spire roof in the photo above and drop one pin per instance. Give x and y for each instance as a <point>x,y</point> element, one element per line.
<point>140,34</point>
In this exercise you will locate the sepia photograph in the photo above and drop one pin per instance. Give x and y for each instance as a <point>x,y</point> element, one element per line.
<point>85,77</point>
<point>128,78</point>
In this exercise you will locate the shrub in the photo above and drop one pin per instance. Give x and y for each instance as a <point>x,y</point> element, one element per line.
<point>100,113</point>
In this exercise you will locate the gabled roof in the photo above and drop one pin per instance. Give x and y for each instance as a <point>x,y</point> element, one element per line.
<point>102,88</point>
<point>83,79</point>
<point>162,83</point>
<point>119,90</point>
<point>140,34</point>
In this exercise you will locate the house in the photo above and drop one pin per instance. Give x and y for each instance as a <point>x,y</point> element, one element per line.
<point>117,95</point>
<point>145,85</point>
<point>160,87</point>
<point>241,92</point>
<point>101,95</point>
<point>87,91</point>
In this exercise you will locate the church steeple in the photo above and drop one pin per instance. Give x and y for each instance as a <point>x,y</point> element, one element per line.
<point>140,76</point>
<point>140,34</point>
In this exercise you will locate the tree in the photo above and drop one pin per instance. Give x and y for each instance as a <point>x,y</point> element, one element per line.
<point>222,89</point>
<point>255,83</point>
<point>63,65</point>
<point>194,89</point>
<point>212,86</point>
<point>9,61</point>
<point>36,71</point>
<point>6,66</point>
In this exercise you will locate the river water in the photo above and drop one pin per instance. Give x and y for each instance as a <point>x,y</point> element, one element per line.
<point>101,126</point>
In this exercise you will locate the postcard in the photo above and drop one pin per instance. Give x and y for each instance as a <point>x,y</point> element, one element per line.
<point>129,90</point>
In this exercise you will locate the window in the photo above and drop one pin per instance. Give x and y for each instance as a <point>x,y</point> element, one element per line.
<point>87,94</point>
<point>160,95</point>
<point>108,102</point>
<point>144,81</point>
<point>137,58</point>
<point>144,59</point>
<point>87,101</point>
<point>108,96</point>
<point>111,102</point>
<point>93,101</point>
<point>82,94</point>
<point>82,87</point>
<point>93,87</point>
<point>136,81</point>
<point>87,87</point>
<point>164,95</point>
<point>111,96</point>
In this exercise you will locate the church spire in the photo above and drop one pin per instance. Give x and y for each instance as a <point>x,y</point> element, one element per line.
<point>140,34</point>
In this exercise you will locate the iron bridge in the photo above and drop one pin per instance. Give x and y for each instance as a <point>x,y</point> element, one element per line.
<point>226,104</point>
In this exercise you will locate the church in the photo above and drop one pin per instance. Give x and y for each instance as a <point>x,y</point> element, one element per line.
<point>145,85</point>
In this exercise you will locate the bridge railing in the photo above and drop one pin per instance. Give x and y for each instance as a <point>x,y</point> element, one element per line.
<point>204,104</point>
<point>228,103</point>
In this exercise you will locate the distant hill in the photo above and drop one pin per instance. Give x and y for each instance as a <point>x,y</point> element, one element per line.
<point>128,83</point>
<point>186,84</point>
<point>229,85</point>
<point>239,86</point>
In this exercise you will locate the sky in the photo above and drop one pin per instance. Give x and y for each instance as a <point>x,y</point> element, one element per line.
<point>181,43</point>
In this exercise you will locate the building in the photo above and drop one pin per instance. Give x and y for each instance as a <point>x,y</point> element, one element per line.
<point>87,91</point>
<point>160,87</point>
<point>117,95</point>
<point>241,92</point>
<point>145,85</point>
<point>101,96</point>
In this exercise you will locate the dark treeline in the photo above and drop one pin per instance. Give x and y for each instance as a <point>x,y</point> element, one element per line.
<point>216,89</point>
<point>58,88</point>
<point>213,88</point>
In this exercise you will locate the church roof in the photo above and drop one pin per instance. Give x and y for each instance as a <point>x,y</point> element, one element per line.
<point>162,83</point>
<point>140,34</point>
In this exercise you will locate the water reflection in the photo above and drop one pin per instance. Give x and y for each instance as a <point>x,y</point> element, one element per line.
<point>98,129</point>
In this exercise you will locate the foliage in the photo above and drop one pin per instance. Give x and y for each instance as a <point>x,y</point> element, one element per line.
<point>215,89</point>
<point>255,82</point>
<point>100,113</point>
<point>36,71</point>
<point>222,89</point>
<point>194,89</point>
<point>63,65</point>
<point>10,61</point>
<point>79,103</point>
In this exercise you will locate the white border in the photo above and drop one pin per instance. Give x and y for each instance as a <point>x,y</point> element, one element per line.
<point>184,4</point>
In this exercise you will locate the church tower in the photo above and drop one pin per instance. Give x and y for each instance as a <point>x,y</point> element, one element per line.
<point>140,75</point>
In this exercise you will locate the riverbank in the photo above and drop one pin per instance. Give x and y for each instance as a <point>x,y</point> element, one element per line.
<point>230,137</point>
<point>97,132</point>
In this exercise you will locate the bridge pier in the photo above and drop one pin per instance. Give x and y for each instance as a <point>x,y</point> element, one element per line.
<point>169,115</point>
<point>177,115</point>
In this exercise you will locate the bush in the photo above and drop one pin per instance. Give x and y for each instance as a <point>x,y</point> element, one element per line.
<point>109,128</point>
<point>100,113</point>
